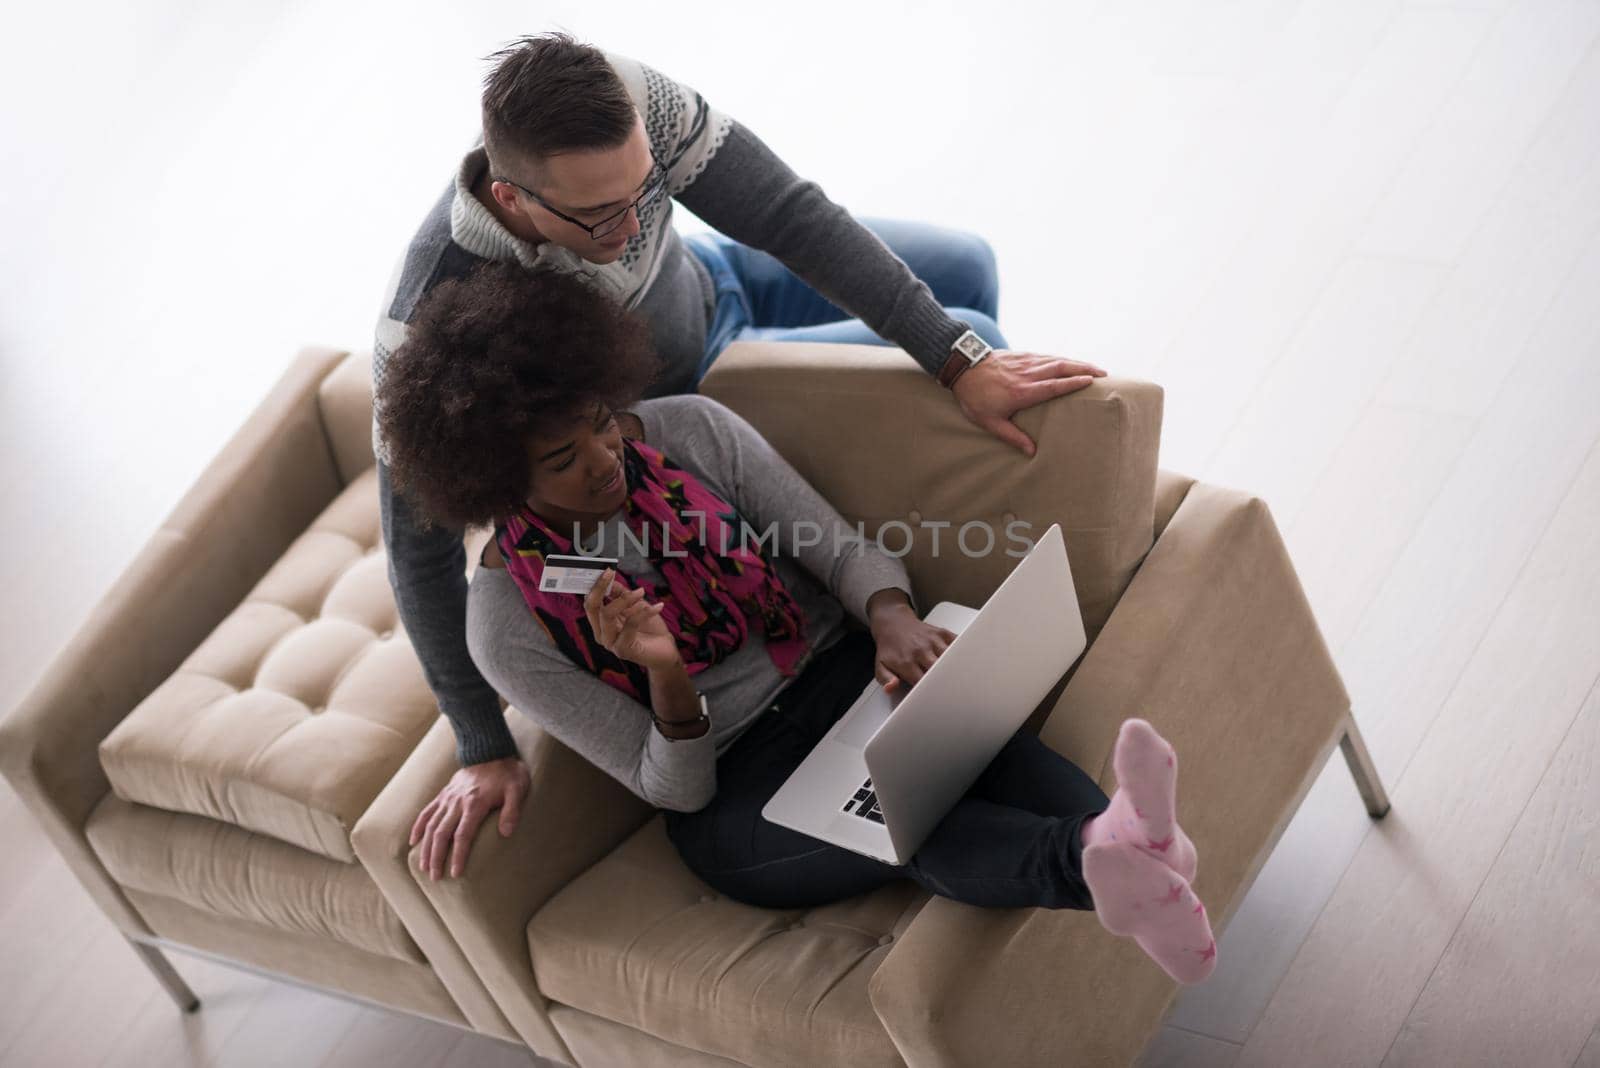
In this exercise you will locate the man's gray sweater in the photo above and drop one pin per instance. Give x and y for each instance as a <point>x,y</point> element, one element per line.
<point>613,730</point>
<point>723,173</point>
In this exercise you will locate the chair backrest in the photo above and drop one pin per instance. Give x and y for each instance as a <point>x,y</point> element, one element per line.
<point>346,402</point>
<point>891,450</point>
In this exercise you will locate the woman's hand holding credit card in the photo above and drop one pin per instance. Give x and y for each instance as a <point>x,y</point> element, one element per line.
<point>630,626</point>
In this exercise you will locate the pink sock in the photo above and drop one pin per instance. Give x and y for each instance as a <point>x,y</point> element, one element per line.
<point>1143,809</point>
<point>1137,861</point>
<point>1135,894</point>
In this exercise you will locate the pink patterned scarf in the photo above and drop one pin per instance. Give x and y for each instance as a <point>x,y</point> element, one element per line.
<point>710,595</point>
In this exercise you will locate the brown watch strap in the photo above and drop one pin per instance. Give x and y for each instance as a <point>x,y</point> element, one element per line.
<point>953,368</point>
<point>662,724</point>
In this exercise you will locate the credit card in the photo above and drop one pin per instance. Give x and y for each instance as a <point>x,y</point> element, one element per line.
<point>573,574</point>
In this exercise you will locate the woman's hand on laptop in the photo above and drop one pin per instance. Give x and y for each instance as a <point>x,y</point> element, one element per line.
<point>907,647</point>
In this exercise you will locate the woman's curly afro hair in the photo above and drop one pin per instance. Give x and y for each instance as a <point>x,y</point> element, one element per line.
<point>490,361</point>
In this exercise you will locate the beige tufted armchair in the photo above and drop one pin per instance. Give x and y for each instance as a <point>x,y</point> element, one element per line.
<point>201,749</point>
<point>603,949</point>
<point>231,751</point>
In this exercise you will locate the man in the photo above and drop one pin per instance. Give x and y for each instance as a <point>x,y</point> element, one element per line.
<point>583,154</point>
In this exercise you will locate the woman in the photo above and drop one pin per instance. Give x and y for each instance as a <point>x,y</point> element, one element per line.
<point>705,666</point>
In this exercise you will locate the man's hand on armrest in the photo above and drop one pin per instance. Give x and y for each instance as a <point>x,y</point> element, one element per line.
<point>1005,382</point>
<point>449,823</point>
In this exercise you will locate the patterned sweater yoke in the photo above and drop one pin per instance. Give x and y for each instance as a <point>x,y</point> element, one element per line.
<point>685,132</point>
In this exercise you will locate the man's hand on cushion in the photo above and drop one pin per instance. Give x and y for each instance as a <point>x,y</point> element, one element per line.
<point>1005,382</point>
<point>449,823</point>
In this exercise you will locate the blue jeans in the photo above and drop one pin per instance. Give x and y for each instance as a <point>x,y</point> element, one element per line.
<point>759,299</point>
<point>1012,841</point>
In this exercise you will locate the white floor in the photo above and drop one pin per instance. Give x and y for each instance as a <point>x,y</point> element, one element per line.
<point>1357,242</point>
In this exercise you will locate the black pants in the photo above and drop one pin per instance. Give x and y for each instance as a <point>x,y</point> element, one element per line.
<point>1012,841</point>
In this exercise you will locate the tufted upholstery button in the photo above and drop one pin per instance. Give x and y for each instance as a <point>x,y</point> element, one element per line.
<point>885,940</point>
<point>915,517</point>
<point>1010,517</point>
<point>317,710</point>
<point>706,899</point>
<point>386,635</point>
<point>797,925</point>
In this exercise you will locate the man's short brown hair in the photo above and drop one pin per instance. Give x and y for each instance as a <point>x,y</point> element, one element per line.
<point>549,94</point>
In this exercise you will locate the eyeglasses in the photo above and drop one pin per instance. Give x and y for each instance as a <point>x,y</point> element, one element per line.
<point>654,185</point>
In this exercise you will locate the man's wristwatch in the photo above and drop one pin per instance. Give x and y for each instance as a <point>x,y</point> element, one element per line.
<point>968,351</point>
<point>704,717</point>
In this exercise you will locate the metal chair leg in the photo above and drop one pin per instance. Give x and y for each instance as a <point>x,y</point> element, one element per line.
<point>1362,770</point>
<point>168,975</point>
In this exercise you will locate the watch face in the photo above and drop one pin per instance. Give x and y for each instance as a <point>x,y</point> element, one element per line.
<point>971,345</point>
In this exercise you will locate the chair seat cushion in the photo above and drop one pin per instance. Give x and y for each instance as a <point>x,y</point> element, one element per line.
<point>292,715</point>
<point>640,940</point>
<point>238,875</point>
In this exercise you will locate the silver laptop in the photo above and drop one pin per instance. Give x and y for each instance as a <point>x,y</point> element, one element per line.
<point>892,767</point>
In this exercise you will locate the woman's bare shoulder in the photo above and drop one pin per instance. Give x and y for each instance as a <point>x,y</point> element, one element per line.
<point>491,555</point>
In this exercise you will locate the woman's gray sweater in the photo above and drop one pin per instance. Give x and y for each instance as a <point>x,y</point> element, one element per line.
<point>611,729</point>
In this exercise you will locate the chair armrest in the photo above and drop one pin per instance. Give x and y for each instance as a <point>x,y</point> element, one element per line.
<point>1214,643</point>
<point>381,839</point>
<point>268,482</point>
<point>573,816</point>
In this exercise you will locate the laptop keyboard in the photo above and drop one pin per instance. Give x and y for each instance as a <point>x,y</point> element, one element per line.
<point>864,803</point>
